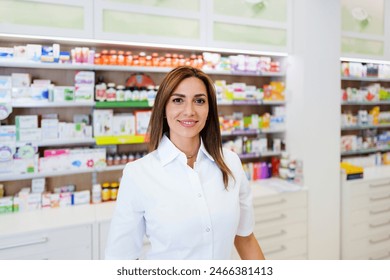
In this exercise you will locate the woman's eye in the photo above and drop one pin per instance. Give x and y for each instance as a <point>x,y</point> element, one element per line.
<point>200,101</point>
<point>177,100</point>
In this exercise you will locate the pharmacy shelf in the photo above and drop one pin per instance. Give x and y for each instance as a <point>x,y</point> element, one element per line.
<point>148,69</point>
<point>42,65</point>
<point>373,103</point>
<point>259,155</point>
<point>251,132</point>
<point>122,104</point>
<point>60,142</point>
<point>366,151</point>
<point>240,132</point>
<point>27,176</point>
<point>250,102</point>
<point>362,127</point>
<point>365,79</point>
<point>245,73</point>
<point>43,104</point>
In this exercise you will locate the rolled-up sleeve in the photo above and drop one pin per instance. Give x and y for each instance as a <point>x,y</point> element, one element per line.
<point>127,229</point>
<point>246,224</point>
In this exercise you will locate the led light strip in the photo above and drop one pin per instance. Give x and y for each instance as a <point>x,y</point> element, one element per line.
<point>138,44</point>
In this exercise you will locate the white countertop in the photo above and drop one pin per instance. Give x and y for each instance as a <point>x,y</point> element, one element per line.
<point>22,222</point>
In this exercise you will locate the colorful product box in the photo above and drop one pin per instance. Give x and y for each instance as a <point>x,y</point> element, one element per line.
<point>63,93</point>
<point>103,122</point>
<point>54,200</point>
<point>85,78</point>
<point>124,124</point>
<point>6,204</point>
<point>65,199</point>
<point>84,93</point>
<point>142,119</point>
<point>81,197</point>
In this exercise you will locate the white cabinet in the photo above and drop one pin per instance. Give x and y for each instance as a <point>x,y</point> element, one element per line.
<point>366,219</point>
<point>281,225</point>
<point>65,18</point>
<point>158,22</point>
<point>61,243</point>
<point>249,25</point>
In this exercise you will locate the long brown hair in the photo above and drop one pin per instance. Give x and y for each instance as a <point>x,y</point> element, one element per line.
<point>158,124</point>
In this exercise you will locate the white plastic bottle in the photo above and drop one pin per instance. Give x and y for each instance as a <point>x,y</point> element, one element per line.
<point>96,193</point>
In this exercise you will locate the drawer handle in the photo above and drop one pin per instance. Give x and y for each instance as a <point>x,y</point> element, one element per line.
<point>379,198</point>
<point>381,258</point>
<point>280,233</point>
<point>28,243</point>
<point>277,250</point>
<point>380,240</point>
<point>380,225</point>
<point>379,211</point>
<point>380,185</point>
<point>281,201</point>
<point>280,217</point>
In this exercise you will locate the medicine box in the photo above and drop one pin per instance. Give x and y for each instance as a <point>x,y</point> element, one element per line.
<point>142,119</point>
<point>103,122</point>
<point>81,197</point>
<point>28,135</point>
<point>26,121</point>
<point>6,204</point>
<point>21,79</point>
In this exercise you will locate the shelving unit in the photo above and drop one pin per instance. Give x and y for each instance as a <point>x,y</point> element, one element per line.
<point>27,176</point>
<point>61,142</point>
<point>352,107</point>
<point>63,74</point>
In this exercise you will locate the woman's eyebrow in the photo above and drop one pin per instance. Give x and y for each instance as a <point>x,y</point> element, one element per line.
<point>183,95</point>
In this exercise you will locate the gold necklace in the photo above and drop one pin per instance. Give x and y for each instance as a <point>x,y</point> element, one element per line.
<point>188,157</point>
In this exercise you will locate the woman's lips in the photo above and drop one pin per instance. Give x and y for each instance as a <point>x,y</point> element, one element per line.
<point>188,123</point>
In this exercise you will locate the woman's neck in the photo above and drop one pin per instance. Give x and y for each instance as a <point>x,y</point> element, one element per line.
<point>189,146</point>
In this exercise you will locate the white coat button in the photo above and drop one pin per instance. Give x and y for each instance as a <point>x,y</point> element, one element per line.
<point>207,229</point>
<point>199,195</point>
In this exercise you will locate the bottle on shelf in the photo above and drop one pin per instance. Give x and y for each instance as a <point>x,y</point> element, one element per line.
<point>96,193</point>
<point>106,191</point>
<point>114,190</point>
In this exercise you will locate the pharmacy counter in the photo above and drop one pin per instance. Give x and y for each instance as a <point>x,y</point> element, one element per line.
<point>79,232</point>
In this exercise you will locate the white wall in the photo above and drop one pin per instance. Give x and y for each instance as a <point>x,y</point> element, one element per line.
<point>313,133</point>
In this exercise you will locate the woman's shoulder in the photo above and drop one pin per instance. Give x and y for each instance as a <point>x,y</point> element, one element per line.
<point>139,164</point>
<point>231,157</point>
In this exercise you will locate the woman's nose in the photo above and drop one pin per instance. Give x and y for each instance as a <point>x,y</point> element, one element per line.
<point>189,109</point>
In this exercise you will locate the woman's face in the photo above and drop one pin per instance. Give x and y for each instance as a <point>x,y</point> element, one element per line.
<point>187,109</point>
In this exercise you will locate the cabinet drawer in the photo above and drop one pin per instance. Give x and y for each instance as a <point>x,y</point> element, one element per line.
<point>280,218</point>
<point>280,233</point>
<point>76,253</point>
<point>41,242</point>
<point>367,245</point>
<point>280,202</point>
<point>369,213</point>
<point>371,187</point>
<point>377,199</point>
<point>298,257</point>
<point>369,228</point>
<point>285,250</point>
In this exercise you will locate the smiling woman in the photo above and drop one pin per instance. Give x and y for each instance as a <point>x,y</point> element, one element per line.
<point>190,197</point>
